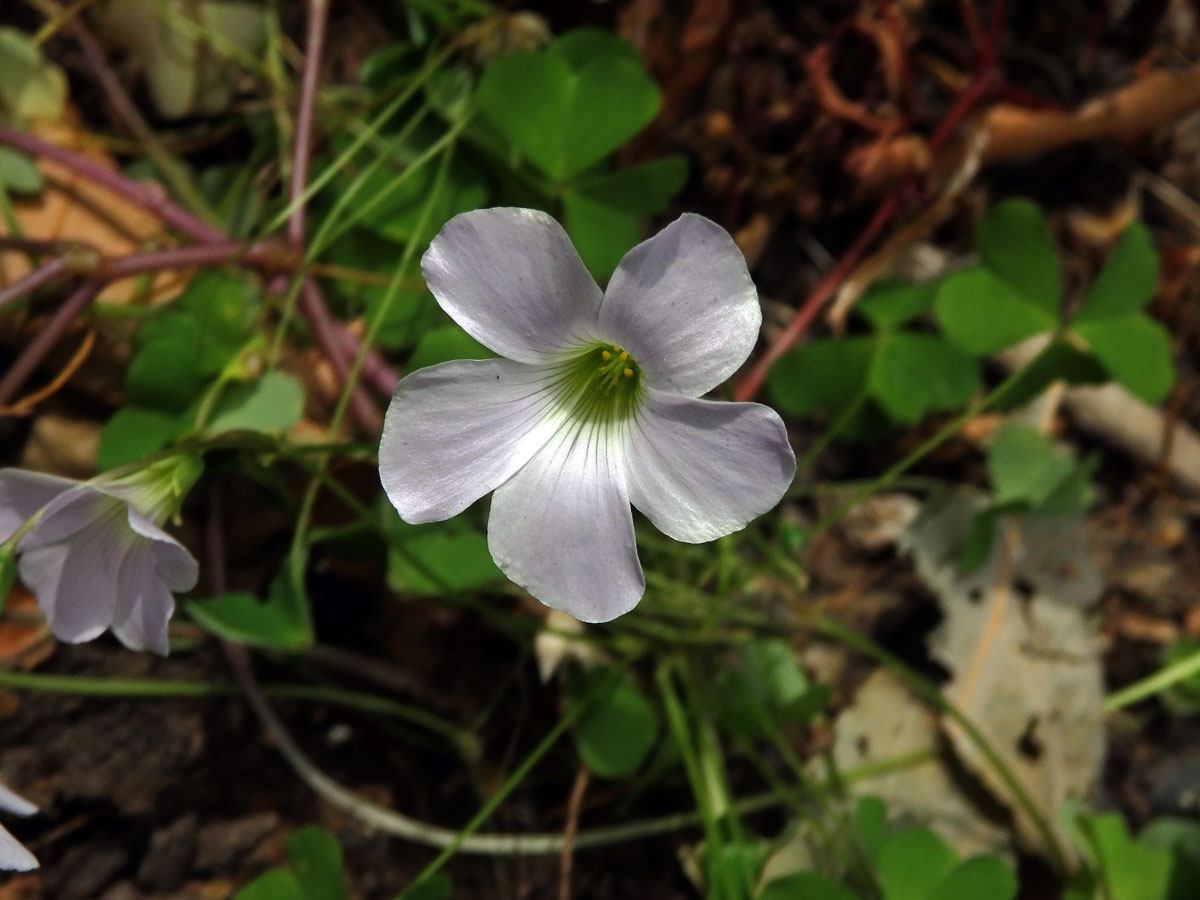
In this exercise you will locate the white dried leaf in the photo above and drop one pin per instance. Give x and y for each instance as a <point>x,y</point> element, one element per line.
<point>1022,652</point>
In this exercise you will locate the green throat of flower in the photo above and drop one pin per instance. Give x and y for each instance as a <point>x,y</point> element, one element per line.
<point>601,385</point>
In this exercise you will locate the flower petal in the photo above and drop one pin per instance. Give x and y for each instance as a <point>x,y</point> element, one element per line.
<point>22,493</point>
<point>11,801</point>
<point>700,470</point>
<point>71,559</point>
<point>455,431</point>
<point>561,527</point>
<point>13,856</point>
<point>512,280</point>
<point>174,564</point>
<point>144,604</point>
<point>683,305</point>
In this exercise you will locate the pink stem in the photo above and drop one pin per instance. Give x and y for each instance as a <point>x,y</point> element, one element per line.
<point>302,150</point>
<point>29,283</point>
<point>331,339</point>
<point>175,216</point>
<point>35,351</point>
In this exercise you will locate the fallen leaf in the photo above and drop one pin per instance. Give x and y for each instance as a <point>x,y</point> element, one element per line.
<point>885,723</point>
<point>71,208</point>
<point>1022,651</point>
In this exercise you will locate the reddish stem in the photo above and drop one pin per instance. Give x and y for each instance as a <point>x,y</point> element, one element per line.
<point>35,351</point>
<point>29,283</point>
<point>265,255</point>
<point>330,337</point>
<point>302,151</point>
<point>751,383</point>
<point>175,216</point>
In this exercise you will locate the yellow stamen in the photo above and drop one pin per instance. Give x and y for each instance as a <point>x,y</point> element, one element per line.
<point>605,355</point>
<point>628,373</point>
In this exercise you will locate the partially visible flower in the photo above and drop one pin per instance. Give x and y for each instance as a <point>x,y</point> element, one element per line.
<point>93,552</point>
<point>12,854</point>
<point>594,407</point>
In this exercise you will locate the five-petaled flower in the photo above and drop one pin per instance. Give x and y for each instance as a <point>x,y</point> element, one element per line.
<point>93,552</point>
<point>593,407</point>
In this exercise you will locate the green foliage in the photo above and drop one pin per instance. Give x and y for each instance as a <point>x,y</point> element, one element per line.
<point>564,110</point>
<point>982,314</point>
<point>766,690</point>
<point>314,872</point>
<point>19,173</point>
<point>618,728</point>
<point>280,622</point>
<point>1016,293</point>
<point>908,864</point>
<point>894,374</point>
<point>806,886</point>
<point>449,342</point>
<point>1163,863</point>
<point>8,571</point>
<point>316,858</point>
<point>31,87</point>
<point>440,558</point>
<point>273,402</point>
<point>435,887</point>
<point>569,106</point>
<point>194,367</point>
<point>134,432</point>
<point>1029,474</point>
<point>1016,246</point>
<point>603,213</point>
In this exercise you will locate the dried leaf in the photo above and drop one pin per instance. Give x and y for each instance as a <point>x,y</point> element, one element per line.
<point>1023,654</point>
<point>885,723</point>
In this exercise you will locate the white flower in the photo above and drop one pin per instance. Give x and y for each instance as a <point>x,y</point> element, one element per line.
<point>93,551</point>
<point>593,407</point>
<point>12,854</point>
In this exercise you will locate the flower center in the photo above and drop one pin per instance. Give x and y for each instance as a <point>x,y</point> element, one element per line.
<point>603,384</point>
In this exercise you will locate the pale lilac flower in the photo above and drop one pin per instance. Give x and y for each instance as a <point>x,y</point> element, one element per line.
<point>12,854</point>
<point>93,552</point>
<point>593,408</point>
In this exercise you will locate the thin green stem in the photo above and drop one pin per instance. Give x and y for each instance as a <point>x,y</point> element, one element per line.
<point>849,411</point>
<point>927,446</point>
<point>1166,677</point>
<point>677,722</point>
<point>369,132</point>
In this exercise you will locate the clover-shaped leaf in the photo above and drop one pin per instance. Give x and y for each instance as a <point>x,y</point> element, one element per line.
<point>604,213</point>
<point>1132,347</point>
<point>570,105</point>
<point>1015,243</point>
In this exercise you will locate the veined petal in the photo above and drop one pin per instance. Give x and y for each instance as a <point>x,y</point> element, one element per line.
<point>700,470</point>
<point>144,605</point>
<point>683,305</point>
<point>513,281</point>
<point>13,856</point>
<point>561,527</point>
<point>455,431</point>
<point>22,493</point>
<point>70,561</point>
<point>173,563</point>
